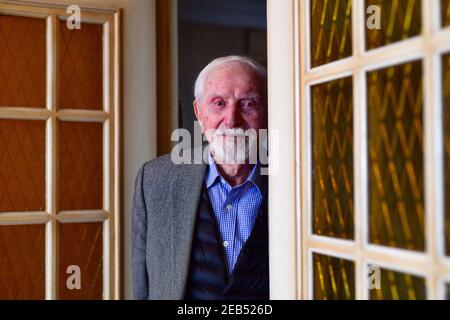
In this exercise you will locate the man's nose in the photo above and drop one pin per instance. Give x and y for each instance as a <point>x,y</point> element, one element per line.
<point>233,117</point>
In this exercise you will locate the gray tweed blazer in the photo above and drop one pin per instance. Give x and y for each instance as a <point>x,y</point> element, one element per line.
<point>164,209</point>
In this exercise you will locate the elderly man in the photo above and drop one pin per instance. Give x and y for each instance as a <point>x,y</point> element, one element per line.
<point>200,230</point>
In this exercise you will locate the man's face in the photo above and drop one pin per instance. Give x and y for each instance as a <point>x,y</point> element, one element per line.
<point>232,99</point>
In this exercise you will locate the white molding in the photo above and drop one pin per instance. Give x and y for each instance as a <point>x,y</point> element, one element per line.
<point>52,146</point>
<point>19,113</point>
<point>75,115</point>
<point>281,113</point>
<point>304,159</point>
<point>50,5</point>
<point>298,70</point>
<point>82,216</point>
<point>116,190</point>
<point>17,218</point>
<point>359,143</point>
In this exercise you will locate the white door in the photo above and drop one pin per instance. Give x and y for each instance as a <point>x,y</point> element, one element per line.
<point>360,207</point>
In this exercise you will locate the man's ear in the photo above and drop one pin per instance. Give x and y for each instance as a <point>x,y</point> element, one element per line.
<point>197,110</point>
<point>198,113</point>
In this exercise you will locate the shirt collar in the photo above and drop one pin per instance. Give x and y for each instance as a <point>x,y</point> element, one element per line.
<point>213,174</point>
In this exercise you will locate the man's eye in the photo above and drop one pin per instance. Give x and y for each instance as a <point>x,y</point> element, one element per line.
<point>249,104</point>
<point>219,103</point>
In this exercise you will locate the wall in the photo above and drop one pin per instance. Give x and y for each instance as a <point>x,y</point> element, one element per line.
<point>230,13</point>
<point>198,44</point>
<point>139,100</point>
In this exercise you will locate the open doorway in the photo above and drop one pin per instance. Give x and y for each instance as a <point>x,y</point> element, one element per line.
<point>210,29</point>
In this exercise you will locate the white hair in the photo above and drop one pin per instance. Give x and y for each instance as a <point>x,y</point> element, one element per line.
<point>254,66</point>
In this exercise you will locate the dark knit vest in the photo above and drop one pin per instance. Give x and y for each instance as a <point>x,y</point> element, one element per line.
<point>208,277</point>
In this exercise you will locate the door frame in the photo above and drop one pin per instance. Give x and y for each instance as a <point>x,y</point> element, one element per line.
<point>283,103</point>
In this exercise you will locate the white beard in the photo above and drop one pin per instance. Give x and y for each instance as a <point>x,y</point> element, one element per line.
<point>233,145</point>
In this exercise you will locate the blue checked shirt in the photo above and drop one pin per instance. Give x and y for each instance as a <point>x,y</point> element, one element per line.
<point>235,208</point>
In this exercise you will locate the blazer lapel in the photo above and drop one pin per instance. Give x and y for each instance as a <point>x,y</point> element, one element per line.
<point>186,197</point>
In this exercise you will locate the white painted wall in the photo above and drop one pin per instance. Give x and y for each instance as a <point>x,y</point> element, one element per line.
<point>139,99</point>
<point>139,105</point>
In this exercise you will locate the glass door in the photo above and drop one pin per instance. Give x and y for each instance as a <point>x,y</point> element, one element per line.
<point>59,153</point>
<point>374,141</point>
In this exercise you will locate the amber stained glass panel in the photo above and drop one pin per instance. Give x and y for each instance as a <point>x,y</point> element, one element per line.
<point>81,244</point>
<point>332,126</point>
<point>396,174</point>
<point>400,20</point>
<point>22,165</point>
<point>334,278</point>
<point>22,262</point>
<point>398,286</point>
<point>81,67</point>
<point>445,13</point>
<point>81,166</point>
<point>331,31</point>
<point>22,61</point>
